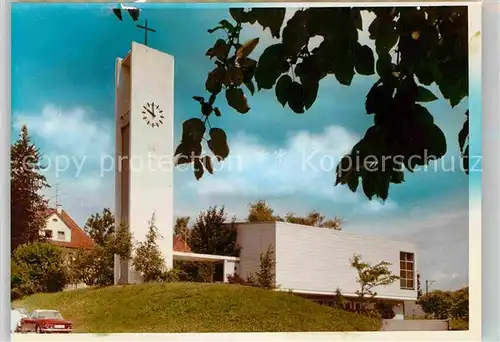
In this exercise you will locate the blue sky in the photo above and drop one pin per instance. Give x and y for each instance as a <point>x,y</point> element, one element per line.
<point>63,88</point>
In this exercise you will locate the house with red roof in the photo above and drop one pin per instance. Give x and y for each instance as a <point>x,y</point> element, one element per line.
<point>63,231</point>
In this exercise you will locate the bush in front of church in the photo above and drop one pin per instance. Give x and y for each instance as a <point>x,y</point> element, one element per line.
<point>37,267</point>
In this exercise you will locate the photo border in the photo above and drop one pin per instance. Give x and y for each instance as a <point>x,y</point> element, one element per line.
<point>488,311</point>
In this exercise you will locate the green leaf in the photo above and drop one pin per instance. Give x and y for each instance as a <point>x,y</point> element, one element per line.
<point>236,99</point>
<point>271,18</point>
<point>198,169</point>
<point>220,50</point>
<point>397,177</point>
<point>356,18</point>
<point>193,130</point>
<point>227,25</point>
<point>368,184</point>
<point>353,182</point>
<point>296,97</point>
<point>436,140</point>
<point>207,161</point>
<point>250,86</point>
<point>234,76</point>
<point>463,134</point>
<point>247,47</point>
<point>384,65</point>
<point>218,143</point>
<point>272,63</point>
<point>344,70</point>
<point>310,93</point>
<point>465,160</point>
<point>282,89</point>
<point>364,61</point>
<point>425,95</point>
<point>295,33</point>
<point>238,14</point>
<point>215,79</point>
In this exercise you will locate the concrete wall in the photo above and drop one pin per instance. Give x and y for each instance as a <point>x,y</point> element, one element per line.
<point>415,325</point>
<point>317,260</point>
<point>253,239</point>
<point>144,180</point>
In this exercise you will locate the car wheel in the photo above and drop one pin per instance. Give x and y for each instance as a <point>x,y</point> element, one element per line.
<point>37,330</point>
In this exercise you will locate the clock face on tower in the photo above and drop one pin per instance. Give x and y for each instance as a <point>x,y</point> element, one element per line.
<point>152,114</point>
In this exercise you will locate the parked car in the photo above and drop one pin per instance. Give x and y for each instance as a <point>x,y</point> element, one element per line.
<point>16,314</point>
<point>45,321</point>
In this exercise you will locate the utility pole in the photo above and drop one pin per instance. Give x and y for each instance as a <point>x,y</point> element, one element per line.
<point>428,283</point>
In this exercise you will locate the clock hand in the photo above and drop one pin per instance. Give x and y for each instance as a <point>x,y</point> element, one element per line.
<point>150,112</point>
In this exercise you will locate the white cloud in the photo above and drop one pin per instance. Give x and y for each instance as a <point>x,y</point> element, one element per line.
<point>304,165</point>
<point>69,132</point>
<point>73,144</point>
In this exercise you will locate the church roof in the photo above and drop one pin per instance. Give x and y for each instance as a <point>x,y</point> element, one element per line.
<point>78,237</point>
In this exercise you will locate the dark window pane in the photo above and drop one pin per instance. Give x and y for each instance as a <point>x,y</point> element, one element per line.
<point>401,255</point>
<point>402,265</point>
<point>410,266</point>
<point>409,256</point>
<point>402,283</point>
<point>410,283</point>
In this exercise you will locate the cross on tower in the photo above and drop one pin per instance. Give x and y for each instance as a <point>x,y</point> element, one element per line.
<point>146,29</point>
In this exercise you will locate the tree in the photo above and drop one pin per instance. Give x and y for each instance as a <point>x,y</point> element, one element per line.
<point>265,278</point>
<point>446,304</point>
<point>370,277</point>
<point>148,259</point>
<point>339,300</point>
<point>315,219</point>
<point>212,234</point>
<point>43,264</point>
<point>419,289</point>
<point>100,226</point>
<point>181,227</point>
<point>28,206</point>
<point>415,47</point>
<point>436,304</point>
<point>260,211</point>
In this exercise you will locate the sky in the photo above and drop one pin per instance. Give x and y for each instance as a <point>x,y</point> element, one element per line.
<point>63,59</point>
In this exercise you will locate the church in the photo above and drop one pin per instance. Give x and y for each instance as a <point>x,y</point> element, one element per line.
<point>312,262</point>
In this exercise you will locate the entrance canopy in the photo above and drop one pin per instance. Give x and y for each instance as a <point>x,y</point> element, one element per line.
<point>230,263</point>
<point>187,256</point>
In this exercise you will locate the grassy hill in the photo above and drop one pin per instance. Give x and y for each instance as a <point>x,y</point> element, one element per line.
<point>190,307</point>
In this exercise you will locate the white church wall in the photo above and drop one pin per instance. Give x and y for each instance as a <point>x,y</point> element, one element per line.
<point>253,238</point>
<point>144,174</point>
<point>316,260</point>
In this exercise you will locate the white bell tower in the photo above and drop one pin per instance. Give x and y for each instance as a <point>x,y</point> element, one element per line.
<point>144,149</point>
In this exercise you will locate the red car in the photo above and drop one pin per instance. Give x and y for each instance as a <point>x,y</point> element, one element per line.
<point>45,321</point>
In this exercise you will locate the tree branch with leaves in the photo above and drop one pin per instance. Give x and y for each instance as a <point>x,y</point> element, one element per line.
<point>370,277</point>
<point>415,48</point>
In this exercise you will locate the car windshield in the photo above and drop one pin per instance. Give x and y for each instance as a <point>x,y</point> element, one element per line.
<point>22,311</point>
<point>49,314</point>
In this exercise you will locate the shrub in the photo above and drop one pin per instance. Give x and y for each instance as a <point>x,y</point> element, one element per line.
<point>148,258</point>
<point>20,282</point>
<point>43,264</point>
<point>460,304</point>
<point>436,304</point>
<point>338,300</point>
<point>236,279</point>
<point>265,277</point>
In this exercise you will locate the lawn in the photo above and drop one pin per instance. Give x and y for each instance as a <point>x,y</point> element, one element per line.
<point>194,307</point>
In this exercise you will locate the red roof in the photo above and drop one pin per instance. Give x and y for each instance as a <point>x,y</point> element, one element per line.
<point>180,245</point>
<point>78,237</point>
